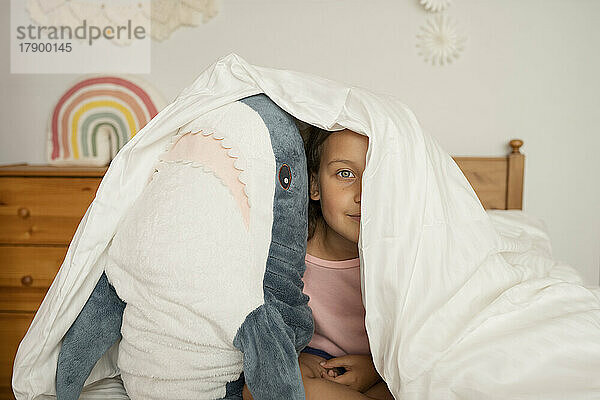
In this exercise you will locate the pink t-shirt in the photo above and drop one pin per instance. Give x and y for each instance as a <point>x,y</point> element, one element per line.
<point>336,303</point>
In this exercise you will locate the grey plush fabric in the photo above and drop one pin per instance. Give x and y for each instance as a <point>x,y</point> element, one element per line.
<point>97,327</point>
<point>233,390</point>
<point>272,335</point>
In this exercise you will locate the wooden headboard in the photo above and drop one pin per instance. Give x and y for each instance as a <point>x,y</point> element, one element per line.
<point>497,181</point>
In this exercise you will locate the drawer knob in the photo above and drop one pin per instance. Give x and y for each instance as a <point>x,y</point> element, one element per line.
<point>27,280</point>
<point>23,212</point>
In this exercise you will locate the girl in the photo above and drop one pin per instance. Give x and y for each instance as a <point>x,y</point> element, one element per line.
<point>337,363</point>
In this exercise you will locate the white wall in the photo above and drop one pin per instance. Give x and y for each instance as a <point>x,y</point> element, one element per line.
<point>530,70</point>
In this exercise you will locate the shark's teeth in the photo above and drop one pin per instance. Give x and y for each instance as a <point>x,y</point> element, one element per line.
<point>226,143</point>
<point>233,153</point>
<point>239,164</point>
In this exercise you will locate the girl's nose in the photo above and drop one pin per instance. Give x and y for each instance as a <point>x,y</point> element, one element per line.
<point>357,196</point>
<point>358,188</point>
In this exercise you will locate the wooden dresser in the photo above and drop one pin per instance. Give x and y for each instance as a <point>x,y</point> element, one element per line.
<point>40,208</point>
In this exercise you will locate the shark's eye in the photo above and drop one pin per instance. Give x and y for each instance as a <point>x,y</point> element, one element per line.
<point>285,176</point>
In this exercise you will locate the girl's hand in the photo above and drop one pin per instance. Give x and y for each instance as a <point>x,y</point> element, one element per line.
<point>360,372</point>
<point>246,395</point>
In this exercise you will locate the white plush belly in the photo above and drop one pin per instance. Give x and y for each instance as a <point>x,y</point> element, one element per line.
<point>183,263</point>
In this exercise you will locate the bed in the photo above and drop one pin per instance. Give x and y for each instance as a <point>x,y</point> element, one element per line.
<point>498,181</point>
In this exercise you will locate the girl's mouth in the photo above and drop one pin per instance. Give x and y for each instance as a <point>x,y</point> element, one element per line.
<point>355,217</point>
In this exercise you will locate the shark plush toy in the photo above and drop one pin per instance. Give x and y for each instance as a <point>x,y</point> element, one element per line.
<point>198,280</point>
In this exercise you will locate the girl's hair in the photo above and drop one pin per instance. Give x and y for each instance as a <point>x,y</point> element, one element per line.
<point>314,138</point>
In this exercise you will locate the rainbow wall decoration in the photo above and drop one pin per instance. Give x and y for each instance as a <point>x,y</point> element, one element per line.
<point>96,117</point>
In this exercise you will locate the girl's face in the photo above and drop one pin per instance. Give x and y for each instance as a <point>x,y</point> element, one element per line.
<point>338,186</point>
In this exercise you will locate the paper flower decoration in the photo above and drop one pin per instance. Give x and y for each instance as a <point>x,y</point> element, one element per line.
<point>163,16</point>
<point>168,15</point>
<point>439,41</point>
<point>435,5</point>
<point>95,117</point>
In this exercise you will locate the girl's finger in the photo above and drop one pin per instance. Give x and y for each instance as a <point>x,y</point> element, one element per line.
<point>341,379</point>
<point>326,376</point>
<point>344,379</point>
<point>335,362</point>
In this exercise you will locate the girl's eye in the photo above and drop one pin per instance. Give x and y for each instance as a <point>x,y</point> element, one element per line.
<point>346,173</point>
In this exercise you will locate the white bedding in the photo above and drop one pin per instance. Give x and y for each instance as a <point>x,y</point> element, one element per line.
<point>519,225</point>
<point>524,233</point>
<point>105,389</point>
<point>455,309</point>
<point>525,242</point>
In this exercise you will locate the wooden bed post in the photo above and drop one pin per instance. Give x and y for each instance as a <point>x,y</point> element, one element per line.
<point>514,184</point>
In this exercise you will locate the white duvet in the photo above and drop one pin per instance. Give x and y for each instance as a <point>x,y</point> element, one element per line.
<point>455,308</point>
